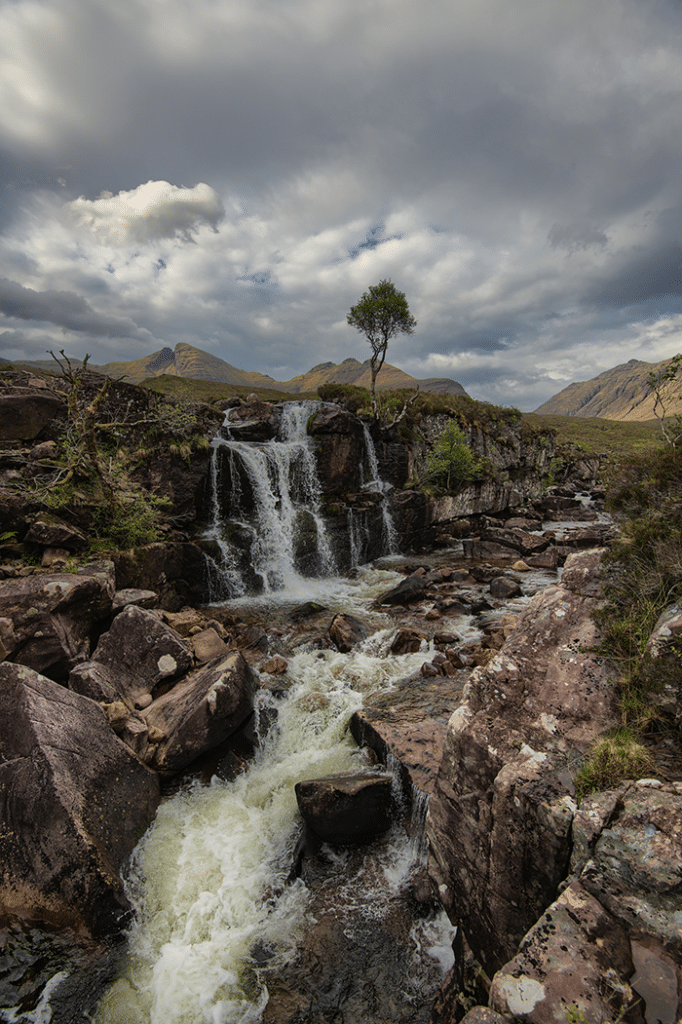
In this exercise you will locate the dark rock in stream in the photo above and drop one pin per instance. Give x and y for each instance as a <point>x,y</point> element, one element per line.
<point>351,808</point>
<point>408,591</point>
<point>345,632</point>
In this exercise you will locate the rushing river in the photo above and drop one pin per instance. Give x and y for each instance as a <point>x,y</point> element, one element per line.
<point>215,915</point>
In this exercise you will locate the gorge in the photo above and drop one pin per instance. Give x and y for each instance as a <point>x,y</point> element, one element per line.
<point>464,666</point>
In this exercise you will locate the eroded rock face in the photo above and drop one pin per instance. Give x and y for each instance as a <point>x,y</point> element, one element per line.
<point>48,622</point>
<point>73,803</point>
<point>611,945</point>
<point>500,818</point>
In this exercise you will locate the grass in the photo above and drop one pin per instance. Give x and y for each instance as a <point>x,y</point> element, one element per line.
<point>613,438</point>
<point>212,391</point>
<point>614,759</point>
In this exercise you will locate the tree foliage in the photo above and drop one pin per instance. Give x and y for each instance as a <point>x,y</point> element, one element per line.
<point>381,314</point>
<point>671,426</point>
<point>451,460</point>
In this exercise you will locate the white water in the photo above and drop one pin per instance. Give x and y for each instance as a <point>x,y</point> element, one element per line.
<point>209,875</point>
<point>375,483</point>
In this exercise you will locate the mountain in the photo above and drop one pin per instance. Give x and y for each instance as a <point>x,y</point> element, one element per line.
<point>618,394</point>
<point>187,361</point>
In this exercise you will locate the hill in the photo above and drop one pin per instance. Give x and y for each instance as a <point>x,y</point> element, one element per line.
<point>618,394</point>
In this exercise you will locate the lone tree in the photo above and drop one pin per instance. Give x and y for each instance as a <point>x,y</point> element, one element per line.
<point>381,314</point>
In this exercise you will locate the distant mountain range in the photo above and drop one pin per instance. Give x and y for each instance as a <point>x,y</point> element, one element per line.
<point>618,394</point>
<point>187,361</point>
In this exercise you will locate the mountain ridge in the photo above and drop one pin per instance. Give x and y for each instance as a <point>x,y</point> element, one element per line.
<point>621,393</point>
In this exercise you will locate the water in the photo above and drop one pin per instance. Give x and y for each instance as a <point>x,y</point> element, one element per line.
<point>217,922</point>
<point>267,530</point>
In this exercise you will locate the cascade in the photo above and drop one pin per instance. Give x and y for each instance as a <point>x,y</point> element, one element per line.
<point>267,532</point>
<point>375,483</point>
<point>267,529</point>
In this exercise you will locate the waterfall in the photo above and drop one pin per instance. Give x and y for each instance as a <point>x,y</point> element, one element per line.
<point>267,529</point>
<point>375,483</point>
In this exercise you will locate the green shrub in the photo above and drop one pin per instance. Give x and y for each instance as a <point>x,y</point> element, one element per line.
<point>451,461</point>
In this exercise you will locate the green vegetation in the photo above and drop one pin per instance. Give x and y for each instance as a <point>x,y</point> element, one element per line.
<point>595,436</point>
<point>381,314</point>
<point>215,392</point>
<point>451,461</point>
<point>671,426</point>
<point>613,759</point>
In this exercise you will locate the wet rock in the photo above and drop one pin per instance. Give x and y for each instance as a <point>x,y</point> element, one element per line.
<point>502,588</point>
<point>137,654</point>
<point>502,808</point>
<point>484,1015</point>
<point>275,666</point>
<point>73,804</point>
<point>347,809</point>
<point>407,641</point>
<point>201,711</point>
<point>48,621</point>
<point>306,611</point>
<point>53,532</point>
<point>548,559</point>
<point>55,558</point>
<point>345,632</point>
<point>409,723</point>
<point>408,591</point>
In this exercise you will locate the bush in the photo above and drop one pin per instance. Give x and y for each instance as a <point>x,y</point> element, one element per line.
<point>451,461</point>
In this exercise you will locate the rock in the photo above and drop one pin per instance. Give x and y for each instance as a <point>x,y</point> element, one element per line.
<point>73,803</point>
<point>347,809</point>
<point>306,611</point>
<point>407,641</point>
<point>30,416</point>
<point>53,532</point>
<point>55,558</point>
<point>137,654</point>
<point>521,566</point>
<point>612,936</point>
<point>345,632</point>
<point>207,646</point>
<point>184,621</point>
<point>275,666</point>
<point>484,1015</point>
<point>201,711</point>
<point>503,588</point>
<point>548,559</point>
<point>429,670</point>
<point>49,620</point>
<point>502,807</point>
<point>663,646</point>
<point>133,596</point>
<point>408,591</point>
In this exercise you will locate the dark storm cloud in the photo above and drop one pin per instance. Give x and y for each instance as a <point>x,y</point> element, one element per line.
<point>66,310</point>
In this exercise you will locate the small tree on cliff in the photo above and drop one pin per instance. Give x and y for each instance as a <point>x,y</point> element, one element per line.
<point>451,460</point>
<point>381,314</point>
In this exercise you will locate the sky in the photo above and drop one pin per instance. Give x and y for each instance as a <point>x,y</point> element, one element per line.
<point>235,174</point>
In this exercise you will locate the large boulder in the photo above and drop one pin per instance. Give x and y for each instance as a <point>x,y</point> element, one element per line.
<point>74,802</point>
<point>347,809</point>
<point>612,938</point>
<point>137,654</point>
<point>500,818</point>
<point>201,711</point>
<point>48,623</point>
<point>29,415</point>
<point>345,632</point>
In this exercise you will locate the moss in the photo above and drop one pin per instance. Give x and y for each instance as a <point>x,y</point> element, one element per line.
<point>613,759</point>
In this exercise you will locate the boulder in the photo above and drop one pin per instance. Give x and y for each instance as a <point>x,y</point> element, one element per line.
<point>48,622</point>
<point>407,641</point>
<point>73,803</point>
<point>207,646</point>
<point>30,416</point>
<point>502,587</point>
<point>51,531</point>
<point>201,711</point>
<point>347,809</point>
<point>345,632</point>
<point>133,596</point>
<point>408,591</point>
<point>612,938</point>
<point>500,818</point>
<point>664,647</point>
<point>137,654</point>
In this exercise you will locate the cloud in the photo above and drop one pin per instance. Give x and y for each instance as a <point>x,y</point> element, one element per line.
<point>66,310</point>
<point>149,212</point>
